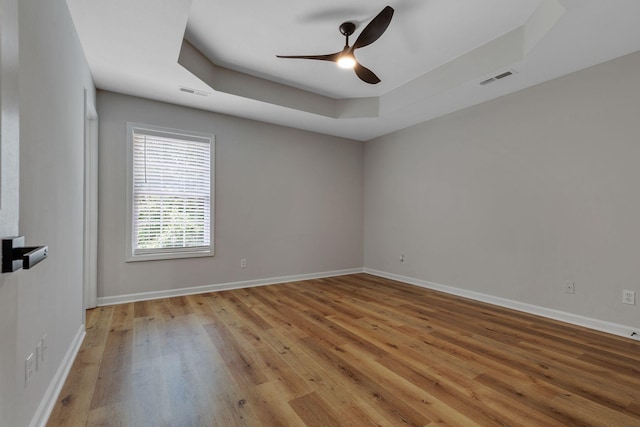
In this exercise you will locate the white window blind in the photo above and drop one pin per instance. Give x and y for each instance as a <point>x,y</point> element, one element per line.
<point>171,200</point>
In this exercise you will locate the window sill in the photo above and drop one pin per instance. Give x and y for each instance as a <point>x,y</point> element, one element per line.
<point>170,255</point>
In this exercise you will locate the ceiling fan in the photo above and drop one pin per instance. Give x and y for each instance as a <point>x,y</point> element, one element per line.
<point>345,58</point>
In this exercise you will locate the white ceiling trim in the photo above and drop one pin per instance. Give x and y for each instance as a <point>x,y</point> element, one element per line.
<point>490,58</point>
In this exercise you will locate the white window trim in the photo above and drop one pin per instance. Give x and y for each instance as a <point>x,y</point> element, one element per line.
<point>174,253</point>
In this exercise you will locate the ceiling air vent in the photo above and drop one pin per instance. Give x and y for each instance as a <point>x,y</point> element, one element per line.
<point>193,91</point>
<point>498,77</point>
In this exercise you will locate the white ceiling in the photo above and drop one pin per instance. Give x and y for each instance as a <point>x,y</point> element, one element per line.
<point>430,60</point>
<point>423,35</point>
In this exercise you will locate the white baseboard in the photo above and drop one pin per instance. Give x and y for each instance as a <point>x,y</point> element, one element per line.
<point>574,319</point>
<point>143,296</point>
<point>55,387</point>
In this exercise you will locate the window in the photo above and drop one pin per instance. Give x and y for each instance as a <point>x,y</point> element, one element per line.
<point>170,200</point>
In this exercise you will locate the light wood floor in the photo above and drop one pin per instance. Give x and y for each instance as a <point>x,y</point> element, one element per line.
<point>349,351</point>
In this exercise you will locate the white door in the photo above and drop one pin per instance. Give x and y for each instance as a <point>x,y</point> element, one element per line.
<point>9,203</point>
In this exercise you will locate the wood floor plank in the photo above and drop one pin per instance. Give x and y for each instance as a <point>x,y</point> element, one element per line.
<point>317,375</point>
<point>314,411</point>
<point>77,393</point>
<point>147,375</point>
<point>355,350</point>
<point>392,405</point>
<point>112,385</point>
<point>428,396</point>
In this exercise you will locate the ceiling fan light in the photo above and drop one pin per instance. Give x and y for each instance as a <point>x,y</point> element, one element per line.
<point>346,61</point>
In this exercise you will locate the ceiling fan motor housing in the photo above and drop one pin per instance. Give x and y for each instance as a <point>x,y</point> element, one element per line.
<point>347,28</point>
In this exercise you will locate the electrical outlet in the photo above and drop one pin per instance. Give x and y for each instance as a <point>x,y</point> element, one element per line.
<point>29,368</point>
<point>243,263</point>
<point>569,287</point>
<point>44,346</point>
<point>38,355</point>
<point>629,297</point>
<point>402,258</point>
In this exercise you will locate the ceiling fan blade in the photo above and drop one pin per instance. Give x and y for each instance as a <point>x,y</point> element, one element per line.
<point>330,57</point>
<point>366,75</point>
<point>375,28</point>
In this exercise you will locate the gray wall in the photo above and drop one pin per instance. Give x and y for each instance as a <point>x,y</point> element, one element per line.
<point>48,299</point>
<point>516,196</point>
<point>288,201</point>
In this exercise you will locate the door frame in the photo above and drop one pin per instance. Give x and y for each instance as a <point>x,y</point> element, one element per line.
<point>90,243</point>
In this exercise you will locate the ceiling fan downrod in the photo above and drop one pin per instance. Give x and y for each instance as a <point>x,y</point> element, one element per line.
<point>347,29</point>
